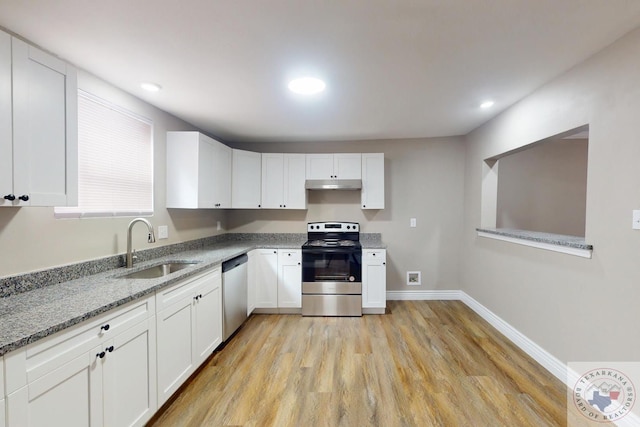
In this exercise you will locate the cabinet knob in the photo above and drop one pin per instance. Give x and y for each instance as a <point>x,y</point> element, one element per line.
<point>200,295</point>
<point>284,206</point>
<point>105,327</point>
<point>109,349</point>
<point>384,263</point>
<point>24,198</point>
<point>196,297</point>
<point>101,354</point>
<point>275,252</point>
<point>364,206</point>
<point>10,197</point>
<point>298,263</point>
<point>259,206</point>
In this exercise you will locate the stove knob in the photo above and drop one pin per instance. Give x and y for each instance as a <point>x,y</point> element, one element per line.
<point>348,227</point>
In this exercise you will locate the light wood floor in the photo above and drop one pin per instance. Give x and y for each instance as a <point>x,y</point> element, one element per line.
<point>426,363</point>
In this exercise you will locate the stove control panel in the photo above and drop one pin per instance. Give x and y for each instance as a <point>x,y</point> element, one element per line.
<point>333,226</point>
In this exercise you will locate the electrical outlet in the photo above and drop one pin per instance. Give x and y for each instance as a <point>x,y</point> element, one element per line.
<point>412,223</point>
<point>636,220</point>
<point>163,232</point>
<point>218,226</point>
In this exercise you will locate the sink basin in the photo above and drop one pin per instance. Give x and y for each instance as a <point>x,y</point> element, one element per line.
<point>158,270</point>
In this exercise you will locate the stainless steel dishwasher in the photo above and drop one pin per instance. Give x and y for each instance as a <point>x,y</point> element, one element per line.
<point>234,294</point>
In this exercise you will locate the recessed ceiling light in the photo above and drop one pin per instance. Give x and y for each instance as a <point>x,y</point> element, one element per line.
<point>151,87</point>
<point>306,86</point>
<point>487,104</point>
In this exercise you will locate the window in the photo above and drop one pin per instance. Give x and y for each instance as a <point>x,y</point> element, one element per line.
<point>115,162</point>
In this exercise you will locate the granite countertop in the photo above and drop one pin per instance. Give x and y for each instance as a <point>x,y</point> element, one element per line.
<point>535,236</point>
<point>29,316</point>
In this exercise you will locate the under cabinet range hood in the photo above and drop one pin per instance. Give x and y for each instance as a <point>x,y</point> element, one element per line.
<point>333,184</point>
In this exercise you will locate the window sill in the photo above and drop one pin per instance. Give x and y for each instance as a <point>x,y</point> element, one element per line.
<point>570,245</point>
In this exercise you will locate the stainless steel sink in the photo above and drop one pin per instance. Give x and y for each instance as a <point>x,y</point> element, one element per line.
<point>158,270</point>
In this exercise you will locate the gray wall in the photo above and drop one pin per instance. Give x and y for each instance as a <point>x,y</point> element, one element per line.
<point>423,180</point>
<point>544,188</point>
<point>575,308</point>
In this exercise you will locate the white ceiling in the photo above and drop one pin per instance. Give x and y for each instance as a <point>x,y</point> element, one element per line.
<point>394,68</point>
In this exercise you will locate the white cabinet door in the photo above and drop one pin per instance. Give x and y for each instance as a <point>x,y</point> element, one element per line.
<point>198,172</point>
<point>319,166</point>
<point>246,179</point>
<point>272,180</point>
<point>69,396</point>
<point>374,278</point>
<point>347,165</point>
<point>190,175</point>
<point>333,166</point>
<point>252,279</point>
<point>6,134</point>
<point>45,128</point>
<point>129,376</point>
<point>372,194</point>
<point>222,176</point>
<point>176,347</point>
<point>295,195</point>
<point>283,177</point>
<point>2,414</point>
<point>266,269</point>
<point>208,316</point>
<point>289,278</point>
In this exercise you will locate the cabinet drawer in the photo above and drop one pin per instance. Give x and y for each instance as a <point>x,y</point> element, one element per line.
<point>168,296</point>
<point>52,352</point>
<point>292,255</point>
<point>374,254</point>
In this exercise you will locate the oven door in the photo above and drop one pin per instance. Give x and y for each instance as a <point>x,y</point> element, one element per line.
<point>334,265</point>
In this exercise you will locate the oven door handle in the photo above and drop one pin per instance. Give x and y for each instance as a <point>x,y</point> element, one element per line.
<point>326,250</point>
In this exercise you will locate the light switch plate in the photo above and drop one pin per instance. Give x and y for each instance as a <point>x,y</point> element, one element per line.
<point>412,223</point>
<point>636,220</point>
<point>163,232</point>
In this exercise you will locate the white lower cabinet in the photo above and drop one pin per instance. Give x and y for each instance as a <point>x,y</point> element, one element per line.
<point>129,376</point>
<point>252,279</point>
<point>289,278</point>
<point>98,373</point>
<point>275,278</point>
<point>374,280</point>
<point>265,270</point>
<point>70,395</point>
<point>189,327</point>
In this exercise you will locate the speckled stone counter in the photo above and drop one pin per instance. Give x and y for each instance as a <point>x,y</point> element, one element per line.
<point>534,236</point>
<point>55,299</point>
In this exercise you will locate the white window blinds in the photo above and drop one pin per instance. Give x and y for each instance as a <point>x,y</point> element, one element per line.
<point>115,162</point>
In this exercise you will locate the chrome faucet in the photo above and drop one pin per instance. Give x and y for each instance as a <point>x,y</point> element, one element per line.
<point>151,239</point>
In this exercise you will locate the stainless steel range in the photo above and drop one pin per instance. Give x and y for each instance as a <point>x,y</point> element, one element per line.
<point>332,270</point>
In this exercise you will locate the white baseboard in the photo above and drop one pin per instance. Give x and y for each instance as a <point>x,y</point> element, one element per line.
<point>539,354</point>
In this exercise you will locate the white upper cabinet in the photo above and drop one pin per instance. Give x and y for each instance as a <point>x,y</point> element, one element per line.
<point>38,127</point>
<point>198,171</point>
<point>6,134</point>
<point>283,177</point>
<point>372,193</point>
<point>334,166</point>
<point>246,179</point>
<point>221,175</point>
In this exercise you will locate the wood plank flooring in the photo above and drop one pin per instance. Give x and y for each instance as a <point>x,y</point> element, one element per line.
<point>426,363</point>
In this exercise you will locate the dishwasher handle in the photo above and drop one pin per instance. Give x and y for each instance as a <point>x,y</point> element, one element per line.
<point>234,262</point>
